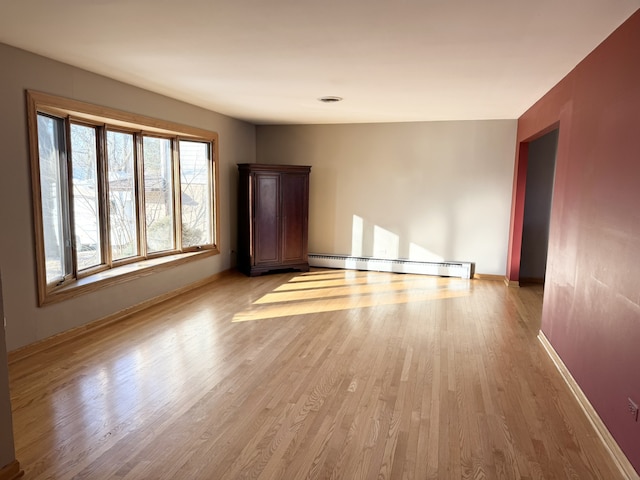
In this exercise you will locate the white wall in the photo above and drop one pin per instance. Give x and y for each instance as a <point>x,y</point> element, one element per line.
<point>27,323</point>
<point>430,190</point>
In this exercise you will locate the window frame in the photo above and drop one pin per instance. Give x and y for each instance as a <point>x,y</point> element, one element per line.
<point>65,213</point>
<point>105,119</point>
<point>138,192</point>
<point>176,203</point>
<point>213,193</point>
<point>101,173</point>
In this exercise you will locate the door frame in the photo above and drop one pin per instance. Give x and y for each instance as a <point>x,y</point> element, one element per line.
<point>514,253</point>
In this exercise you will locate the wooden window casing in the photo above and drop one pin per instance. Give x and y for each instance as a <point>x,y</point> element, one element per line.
<point>76,281</point>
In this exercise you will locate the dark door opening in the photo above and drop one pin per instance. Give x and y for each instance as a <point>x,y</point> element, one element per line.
<point>541,167</point>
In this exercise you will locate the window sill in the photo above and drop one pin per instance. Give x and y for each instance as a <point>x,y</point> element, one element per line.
<point>121,274</point>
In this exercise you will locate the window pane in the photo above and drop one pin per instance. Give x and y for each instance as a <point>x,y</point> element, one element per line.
<point>158,190</point>
<point>122,195</point>
<point>52,189</point>
<point>197,205</point>
<point>86,213</point>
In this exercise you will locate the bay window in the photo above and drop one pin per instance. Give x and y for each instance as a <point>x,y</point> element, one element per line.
<point>117,193</point>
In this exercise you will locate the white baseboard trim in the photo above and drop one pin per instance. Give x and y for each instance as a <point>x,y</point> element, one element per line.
<point>626,469</point>
<point>397,265</point>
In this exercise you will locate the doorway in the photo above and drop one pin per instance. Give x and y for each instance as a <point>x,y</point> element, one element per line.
<point>541,167</point>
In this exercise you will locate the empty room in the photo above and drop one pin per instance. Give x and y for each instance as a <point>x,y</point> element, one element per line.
<point>291,240</point>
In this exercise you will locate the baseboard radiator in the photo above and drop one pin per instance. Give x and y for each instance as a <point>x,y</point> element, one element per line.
<point>441,269</point>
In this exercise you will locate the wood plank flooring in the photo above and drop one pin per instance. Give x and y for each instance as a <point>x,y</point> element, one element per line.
<point>327,375</point>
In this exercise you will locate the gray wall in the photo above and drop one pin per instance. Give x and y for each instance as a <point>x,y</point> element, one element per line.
<point>26,323</point>
<point>7,451</point>
<point>424,190</point>
<point>541,168</point>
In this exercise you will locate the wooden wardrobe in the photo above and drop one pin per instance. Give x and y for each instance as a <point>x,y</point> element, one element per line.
<point>273,210</point>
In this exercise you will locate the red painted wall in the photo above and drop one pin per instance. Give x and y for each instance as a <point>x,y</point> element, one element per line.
<point>591,311</point>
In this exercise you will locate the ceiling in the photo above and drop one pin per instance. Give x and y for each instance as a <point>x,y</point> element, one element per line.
<point>268,61</point>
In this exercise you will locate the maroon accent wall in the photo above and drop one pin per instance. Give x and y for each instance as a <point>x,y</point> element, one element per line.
<point>517,212</point>
<point>591,310</point>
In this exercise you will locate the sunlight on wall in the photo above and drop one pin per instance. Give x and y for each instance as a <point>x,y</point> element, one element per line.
<point>419,254</point>
<point>357,236</point>
<point>385,243</point>
<point>369,240</point>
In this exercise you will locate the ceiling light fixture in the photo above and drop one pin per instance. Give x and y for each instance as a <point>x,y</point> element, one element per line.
<point>330,99</point>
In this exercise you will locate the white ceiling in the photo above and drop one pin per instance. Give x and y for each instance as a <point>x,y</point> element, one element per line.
<point>267,61</point>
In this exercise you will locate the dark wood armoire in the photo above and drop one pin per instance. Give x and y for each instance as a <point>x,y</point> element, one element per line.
<point>273,210</point>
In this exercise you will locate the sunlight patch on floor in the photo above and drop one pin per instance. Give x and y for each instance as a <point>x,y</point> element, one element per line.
<point>333,291</point>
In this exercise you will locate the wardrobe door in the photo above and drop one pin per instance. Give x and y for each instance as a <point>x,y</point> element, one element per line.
<point>295,193</point>
<point>267,219</point>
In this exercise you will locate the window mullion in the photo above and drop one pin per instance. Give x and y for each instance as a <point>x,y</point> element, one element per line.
<point>141,224</point>
<point>177,193</point>
<point>213,189</point>
<point>103,185</point>
<point>108,256</point>
<point>66,187</point>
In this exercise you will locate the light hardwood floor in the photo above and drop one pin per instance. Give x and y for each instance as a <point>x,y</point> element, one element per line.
<point>329,374</point>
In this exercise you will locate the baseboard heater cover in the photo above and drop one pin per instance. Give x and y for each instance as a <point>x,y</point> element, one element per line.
<point>441,269</point>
